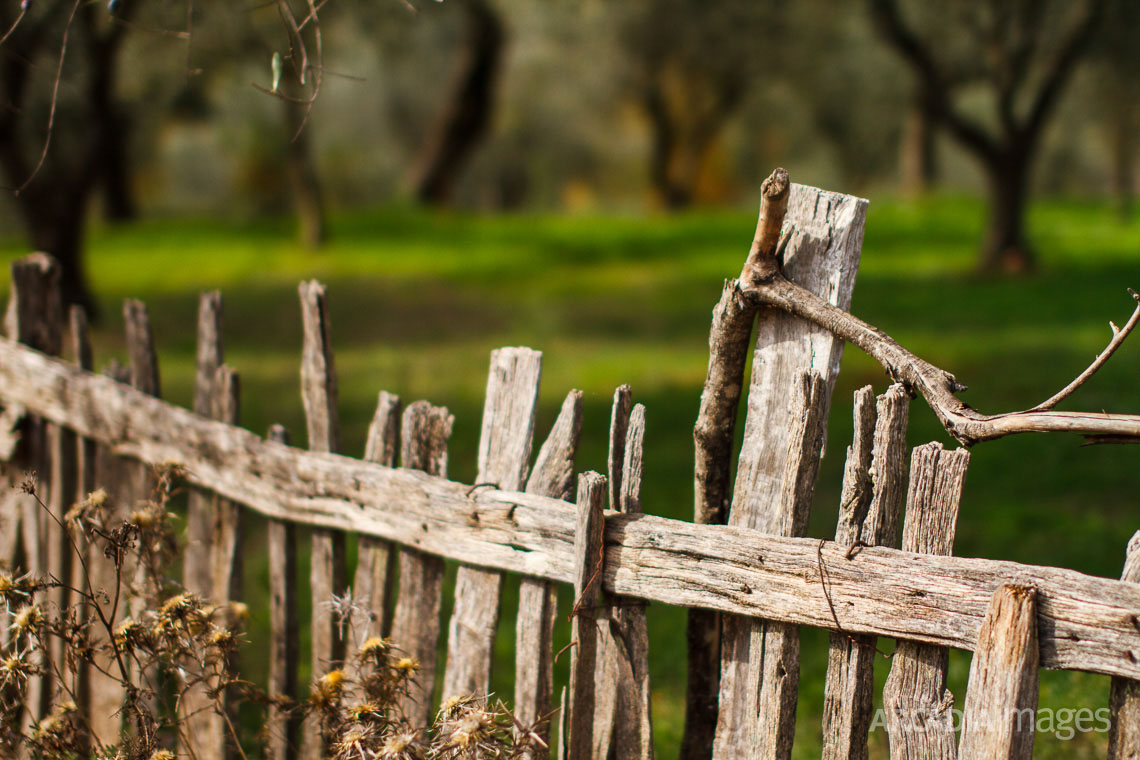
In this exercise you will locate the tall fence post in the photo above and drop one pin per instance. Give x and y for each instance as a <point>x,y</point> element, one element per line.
<point>794,368</point>
<point>504,460</point>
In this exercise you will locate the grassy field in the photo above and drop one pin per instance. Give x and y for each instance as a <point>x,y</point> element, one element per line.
<point>419,300</point>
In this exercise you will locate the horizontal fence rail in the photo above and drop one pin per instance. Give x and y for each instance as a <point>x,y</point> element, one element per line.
<point>1084,622</point>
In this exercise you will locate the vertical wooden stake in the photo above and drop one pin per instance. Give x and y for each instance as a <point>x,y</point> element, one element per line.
<point>327,569</point>
<point>588,559</point>
<point>848,698</point>
<point>370,583</point>
<point>918,705</point>
<point>553,476</point>
<point>1124,697</point>
<point>284,637</point>
<point>424,435</point>
<point>794,368</point>
<point>504,459</point>
<point>1001,699</point>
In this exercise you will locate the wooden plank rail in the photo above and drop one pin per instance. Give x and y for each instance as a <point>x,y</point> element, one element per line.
<point>1085,622</point>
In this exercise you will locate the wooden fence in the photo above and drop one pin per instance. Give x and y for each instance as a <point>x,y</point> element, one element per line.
<point>750,582</point>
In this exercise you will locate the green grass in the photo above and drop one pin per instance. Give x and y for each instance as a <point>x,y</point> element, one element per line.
<point>418,300</point>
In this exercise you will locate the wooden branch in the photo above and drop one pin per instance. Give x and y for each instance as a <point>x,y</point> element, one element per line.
<point>1086,623</point>
<point>1118,336</point>
<point>936,385</point>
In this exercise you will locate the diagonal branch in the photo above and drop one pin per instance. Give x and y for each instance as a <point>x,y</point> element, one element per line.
<point>1118,336</point>
<point>763,283</point>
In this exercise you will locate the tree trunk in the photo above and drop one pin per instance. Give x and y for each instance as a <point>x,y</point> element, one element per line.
<point>303,179</point>
<point>917,162</point>
<point>465,117</point>
<point>1006,248</point>
<point>115,166</point>
<point>55,218</point>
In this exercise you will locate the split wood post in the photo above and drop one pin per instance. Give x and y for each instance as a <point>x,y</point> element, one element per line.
<point>374,557</point>
<point>919,708</point>
<point>622,716</point>
<point>504,459</point>
<point>196,577</point>
<point>227,571</point>
<point>107,694</point>
<point>282,727</point>
<point>35,318</point>
<point>1124,697</point>
<point>80,339</point>
<point>589,556</point>
<point>211,562</point>
<point>424,435</point>
<point>327,570</point>
<point>873,480</point>
<point>794,368</point>
<point>553,476</point>
<point>1000,716</point>
<point>138,481</point>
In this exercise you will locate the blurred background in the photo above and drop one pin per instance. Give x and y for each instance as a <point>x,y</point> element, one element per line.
<point>581,177</point>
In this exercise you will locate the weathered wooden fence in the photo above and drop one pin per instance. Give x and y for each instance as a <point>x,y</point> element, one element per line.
<point>751,581</point>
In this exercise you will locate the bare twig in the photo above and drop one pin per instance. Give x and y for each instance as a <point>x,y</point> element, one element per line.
<point>937,386</point>
<point>1118,336</point>
<point>54,98</point>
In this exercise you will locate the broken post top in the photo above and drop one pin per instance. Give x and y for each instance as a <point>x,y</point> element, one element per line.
<point>762,260</point>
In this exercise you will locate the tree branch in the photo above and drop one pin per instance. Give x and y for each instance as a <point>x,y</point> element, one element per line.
<point>935,88</point>
<point>937,386</point>
<point>1063,65</point>
<point>1118,336</point>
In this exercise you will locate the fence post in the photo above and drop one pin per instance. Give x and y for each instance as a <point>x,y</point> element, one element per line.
<point>1001,699</point>
<point>199,513</point>
<point>1124,697</point>
<point>588,558</point>
<point>622,716</point>
<point>504,459</point>
<point>553,476</point>
<point>374,557</point>
<point>917,703</point>
<point>424,435</point>
<point>327,570</point>
<point>35,318</point>
<point>793,373</point>
<point>281,727</point>
<point>873,481</point>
